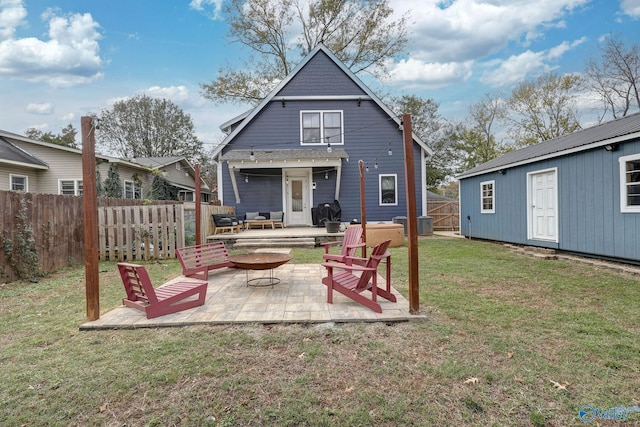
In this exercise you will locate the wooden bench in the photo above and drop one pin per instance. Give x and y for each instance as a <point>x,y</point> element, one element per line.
<point>197,260</point>
<point>170,298</point>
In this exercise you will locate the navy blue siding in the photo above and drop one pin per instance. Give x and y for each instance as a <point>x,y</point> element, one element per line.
<point>368,132</point>
<point>589,217</point>
<point>320,76</point>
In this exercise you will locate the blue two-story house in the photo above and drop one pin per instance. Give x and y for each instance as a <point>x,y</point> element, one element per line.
<point>301,146</point>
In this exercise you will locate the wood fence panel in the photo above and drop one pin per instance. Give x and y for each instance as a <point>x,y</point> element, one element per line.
<point>445,214</point>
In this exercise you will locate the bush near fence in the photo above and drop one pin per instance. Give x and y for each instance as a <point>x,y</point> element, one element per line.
<point>128,229</point>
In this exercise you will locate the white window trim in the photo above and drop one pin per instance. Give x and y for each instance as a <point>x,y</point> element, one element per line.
<point>26,182</point>
<point>493,197</point>
<point>624,208</point>
<point>395,179</point>
<point>322,139</point>
<point>76,186</point>
<point>133,184</point>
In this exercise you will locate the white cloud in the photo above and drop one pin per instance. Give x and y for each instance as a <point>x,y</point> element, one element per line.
<point>174,93</point>
<point>71,56</point>
<point>631,7</point>
<point>67,117</point>
<point>12,14</point>
<point>516,68</point>
<point>416,73</point>
<point>464,30</point>
<point>44,108</point>
<point>203,6</point>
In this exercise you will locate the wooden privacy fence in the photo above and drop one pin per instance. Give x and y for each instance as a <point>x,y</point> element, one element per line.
<point>52,226</point>
<point>140,232</point>
<point>445,214</point>
<point>205,217</point>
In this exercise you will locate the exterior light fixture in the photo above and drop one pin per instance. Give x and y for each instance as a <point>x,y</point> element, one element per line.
<point>252,156</point>
<point>389,150</point>
<point>246,178</point>
<point>326,175</point>
<point>376,165</point>
<point>329,147</point>
<point>611,147</point>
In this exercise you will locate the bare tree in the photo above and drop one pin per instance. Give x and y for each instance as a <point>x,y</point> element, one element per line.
<point>544,109</point>
<point>280,32</point>
<point>615,77</point>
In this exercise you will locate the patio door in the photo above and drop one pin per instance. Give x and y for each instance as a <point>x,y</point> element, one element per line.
<point>543,205</point>
<point>298,195</point>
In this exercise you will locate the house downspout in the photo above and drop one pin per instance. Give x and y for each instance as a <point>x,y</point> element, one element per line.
<point>338,179</point>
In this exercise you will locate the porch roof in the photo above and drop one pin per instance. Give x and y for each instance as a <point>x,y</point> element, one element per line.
<point>283,155</point>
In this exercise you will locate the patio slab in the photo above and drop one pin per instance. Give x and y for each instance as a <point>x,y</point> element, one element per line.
<point>300,297</point>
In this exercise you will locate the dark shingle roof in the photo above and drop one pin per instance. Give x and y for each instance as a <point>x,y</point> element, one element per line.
<point>12,154</point>
<point>582,139</point>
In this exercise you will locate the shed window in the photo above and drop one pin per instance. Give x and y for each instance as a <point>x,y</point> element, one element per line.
<point>19,183</point>
<point>321,127</point>
<point>388,190</point>
<point>487,197</point>
<point>630,183</point>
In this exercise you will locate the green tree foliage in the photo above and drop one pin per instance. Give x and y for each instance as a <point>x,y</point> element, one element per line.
<point>143,126</point>
<point>113,185</point>
<point>615,77</point>
<point>161,189</point>
<point>544,109</point>
<point>66,137</point>
<point>279,33</point>
<point>436,132</point>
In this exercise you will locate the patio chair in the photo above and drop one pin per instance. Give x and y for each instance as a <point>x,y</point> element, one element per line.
<point>353,286</point>
<point>351,241</point>
<point>166,299</point>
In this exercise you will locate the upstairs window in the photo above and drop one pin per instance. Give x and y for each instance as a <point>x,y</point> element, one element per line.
<point>630,183</point>
<point>19,183</point>
<point>487,197</point>
<point>321,127</point>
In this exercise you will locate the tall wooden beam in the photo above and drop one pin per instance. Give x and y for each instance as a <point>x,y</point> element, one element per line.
<point>90,205</point>
<point>198,214</point>
<point>412,220</point>
<point>363,208</point>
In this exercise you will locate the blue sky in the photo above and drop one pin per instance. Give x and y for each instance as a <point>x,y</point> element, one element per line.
<point>60,60</point>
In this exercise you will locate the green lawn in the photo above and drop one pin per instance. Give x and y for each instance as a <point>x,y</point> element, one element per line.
<point>508,340</point>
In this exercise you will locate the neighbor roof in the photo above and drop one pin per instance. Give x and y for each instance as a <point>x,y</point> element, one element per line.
<point>12,154</point>
<point>619,130</point>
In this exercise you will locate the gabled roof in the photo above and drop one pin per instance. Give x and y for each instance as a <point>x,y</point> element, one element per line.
<point>248,116</point>
<point>613,132</point>
<point>11,154</point>
<point>161,162</point>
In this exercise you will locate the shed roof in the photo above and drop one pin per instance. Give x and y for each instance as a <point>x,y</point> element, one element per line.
<point>615,131</point>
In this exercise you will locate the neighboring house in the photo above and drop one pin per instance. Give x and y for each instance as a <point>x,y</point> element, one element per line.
<point>300,148</point>
<point>41,167</point>
<point>179,173</point>
<point>577,193</point>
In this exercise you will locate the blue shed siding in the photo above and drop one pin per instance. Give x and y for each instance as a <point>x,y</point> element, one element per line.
<point>368,131</point>
<point>589,217</point>
<point>321,76</point>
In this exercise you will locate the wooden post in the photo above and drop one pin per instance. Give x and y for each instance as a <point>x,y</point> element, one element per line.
<point>412,221</point>
<point>90,205</point>
<point>198,215</point>
<point>363,208</point>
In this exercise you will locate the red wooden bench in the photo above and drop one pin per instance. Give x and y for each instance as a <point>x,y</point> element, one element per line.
<point>197,260</point>
<point>166,299</point>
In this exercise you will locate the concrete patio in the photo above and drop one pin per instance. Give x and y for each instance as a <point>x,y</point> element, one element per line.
<point>300,297</point>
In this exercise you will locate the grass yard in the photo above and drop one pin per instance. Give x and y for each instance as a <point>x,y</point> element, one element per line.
<point>509,340</point>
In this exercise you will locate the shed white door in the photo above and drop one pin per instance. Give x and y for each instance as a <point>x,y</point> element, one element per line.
<point>543,205</point>
<point>298,190</point>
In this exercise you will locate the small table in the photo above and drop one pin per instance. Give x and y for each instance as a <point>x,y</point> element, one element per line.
<point>260,261</point>
<point>261,222</point>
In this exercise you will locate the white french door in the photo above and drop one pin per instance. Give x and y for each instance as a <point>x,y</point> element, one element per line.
<point>542,217</point>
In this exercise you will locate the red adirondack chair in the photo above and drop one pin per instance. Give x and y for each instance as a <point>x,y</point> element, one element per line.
<point>353,286</point>
<point>351,241</point>
<point>157,302</point>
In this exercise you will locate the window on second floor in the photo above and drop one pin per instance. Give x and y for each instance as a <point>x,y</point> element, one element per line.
<point>19,183</point>
<point>321,127</point>
<point>70,187</point>
<point>487,197</point>
<point>630,183</point>
<point>132,191</point>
